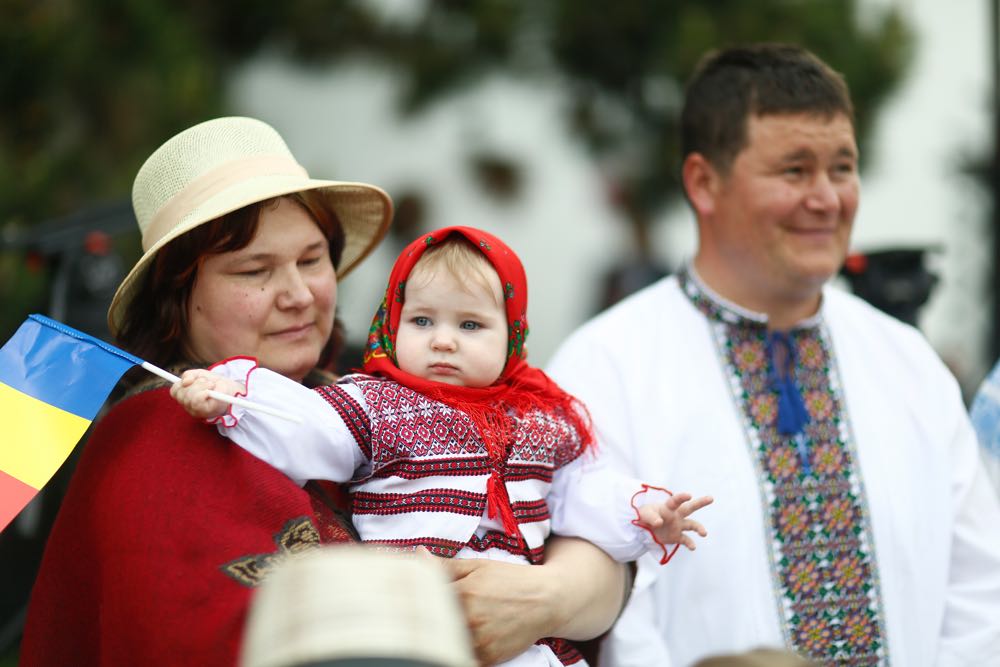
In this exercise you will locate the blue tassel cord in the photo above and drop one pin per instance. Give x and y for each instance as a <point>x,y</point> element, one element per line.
<point>792,413</point>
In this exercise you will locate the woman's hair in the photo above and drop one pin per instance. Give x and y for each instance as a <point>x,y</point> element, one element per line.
<point>462,259</point>
<point>155,324</point>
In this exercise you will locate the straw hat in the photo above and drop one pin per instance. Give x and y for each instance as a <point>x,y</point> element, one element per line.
<point>350,605</point>
<point>222,165</point>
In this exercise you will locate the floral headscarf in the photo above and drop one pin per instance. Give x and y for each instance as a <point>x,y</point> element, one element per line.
<point>520,389</point>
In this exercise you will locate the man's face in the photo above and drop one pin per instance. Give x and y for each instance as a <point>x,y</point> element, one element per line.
<point>778,223</point>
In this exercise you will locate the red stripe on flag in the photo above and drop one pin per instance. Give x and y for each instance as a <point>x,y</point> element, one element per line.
<point>14,495</point>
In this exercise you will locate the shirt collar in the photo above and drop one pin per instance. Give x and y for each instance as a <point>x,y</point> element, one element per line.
<point>718,307</point>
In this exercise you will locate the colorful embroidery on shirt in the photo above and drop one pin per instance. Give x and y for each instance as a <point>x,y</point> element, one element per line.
<point>822,552</point>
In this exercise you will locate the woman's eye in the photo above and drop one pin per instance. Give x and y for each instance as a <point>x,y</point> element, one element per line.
<point>250,273</point>
<point>469,325</point>
<point>309,261</point>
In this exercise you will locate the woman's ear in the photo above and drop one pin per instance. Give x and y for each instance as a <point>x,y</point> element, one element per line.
<point>701,183</point>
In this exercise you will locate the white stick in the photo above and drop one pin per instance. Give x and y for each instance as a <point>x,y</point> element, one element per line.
<point>226,398</point>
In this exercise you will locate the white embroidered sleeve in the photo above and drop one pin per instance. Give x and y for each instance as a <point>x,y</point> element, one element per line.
<point>321,447</point>
<point>590,500</point>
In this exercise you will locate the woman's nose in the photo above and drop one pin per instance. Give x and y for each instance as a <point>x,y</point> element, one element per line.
<point>294,292</point>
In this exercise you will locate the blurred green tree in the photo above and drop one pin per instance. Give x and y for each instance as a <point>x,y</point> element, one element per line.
<point>91,87</point>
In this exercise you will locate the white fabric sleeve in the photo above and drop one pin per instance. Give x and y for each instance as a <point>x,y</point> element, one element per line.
<point>321,447</point>
<point>985,414</point>
<point>590,500</point>
<point>970,633</point>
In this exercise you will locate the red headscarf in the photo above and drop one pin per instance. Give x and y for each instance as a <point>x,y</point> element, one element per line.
<point>519,389</point>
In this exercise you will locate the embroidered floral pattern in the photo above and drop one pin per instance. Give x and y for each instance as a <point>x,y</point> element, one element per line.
<point>822,553</point>
<point>296,536</point>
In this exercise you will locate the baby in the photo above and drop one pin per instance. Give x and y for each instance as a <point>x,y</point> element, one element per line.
<point>449,439</point>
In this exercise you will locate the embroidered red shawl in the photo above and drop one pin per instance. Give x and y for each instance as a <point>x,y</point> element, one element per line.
<point>520,389</point>
<point>161,538</point>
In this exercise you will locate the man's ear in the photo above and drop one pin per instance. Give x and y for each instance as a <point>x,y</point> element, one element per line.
<point>701,183</point>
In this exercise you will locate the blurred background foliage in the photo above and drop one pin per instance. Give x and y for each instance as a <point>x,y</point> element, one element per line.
<point>91,87</point>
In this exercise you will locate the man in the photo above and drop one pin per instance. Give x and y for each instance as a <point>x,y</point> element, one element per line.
<point>852,520</point>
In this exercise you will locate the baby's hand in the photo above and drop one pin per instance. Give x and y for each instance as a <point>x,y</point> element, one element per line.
<point>669,521</point>
<point>192,393</point>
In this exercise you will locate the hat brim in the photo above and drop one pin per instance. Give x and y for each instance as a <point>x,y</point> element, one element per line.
<point>364,212</point>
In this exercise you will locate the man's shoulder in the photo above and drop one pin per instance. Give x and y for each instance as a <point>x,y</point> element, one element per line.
<point>663,296</point>
<point>846,311</point>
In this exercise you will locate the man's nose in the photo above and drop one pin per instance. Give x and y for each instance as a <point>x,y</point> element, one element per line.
<point>823,195</point>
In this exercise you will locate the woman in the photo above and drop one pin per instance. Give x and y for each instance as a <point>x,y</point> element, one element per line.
<point>166,529</point>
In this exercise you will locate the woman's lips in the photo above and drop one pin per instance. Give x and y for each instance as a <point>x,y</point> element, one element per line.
<point>295,331</point>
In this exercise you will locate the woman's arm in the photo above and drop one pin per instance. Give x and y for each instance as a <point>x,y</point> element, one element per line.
<point>576,594</point>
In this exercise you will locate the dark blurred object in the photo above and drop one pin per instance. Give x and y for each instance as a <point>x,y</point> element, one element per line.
<point>894,281</point>
<point>629,277</point>
<point>78,254</point>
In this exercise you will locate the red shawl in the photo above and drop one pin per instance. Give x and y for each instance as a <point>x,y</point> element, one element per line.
<point>520,389</point>
<point>164,531</point>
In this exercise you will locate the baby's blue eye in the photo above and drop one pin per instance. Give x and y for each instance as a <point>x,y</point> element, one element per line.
<point>422,321</point>
<point>469,325</point>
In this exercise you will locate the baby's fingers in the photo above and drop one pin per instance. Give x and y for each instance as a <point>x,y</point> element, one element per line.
<point>695,527</point>
<point>676,500</point>
<point>692,506</point>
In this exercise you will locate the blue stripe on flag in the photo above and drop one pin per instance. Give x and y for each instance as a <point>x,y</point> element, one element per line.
<point>61,366</point>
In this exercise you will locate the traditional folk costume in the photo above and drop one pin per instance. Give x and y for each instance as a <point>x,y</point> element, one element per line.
<point>852,520</point>
<point>467,472</point>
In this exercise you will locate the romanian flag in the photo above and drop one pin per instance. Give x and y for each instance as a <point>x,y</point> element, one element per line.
<point>53,381</point>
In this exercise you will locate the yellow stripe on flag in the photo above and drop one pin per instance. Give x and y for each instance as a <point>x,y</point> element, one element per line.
<point>37,436</point>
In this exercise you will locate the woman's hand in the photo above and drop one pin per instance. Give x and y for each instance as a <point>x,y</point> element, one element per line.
<point>577,594</point>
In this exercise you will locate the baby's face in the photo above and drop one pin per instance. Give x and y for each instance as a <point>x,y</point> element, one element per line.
<point>453,332</point>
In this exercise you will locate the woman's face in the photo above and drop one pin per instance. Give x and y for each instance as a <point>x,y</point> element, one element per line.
<point>273,300</point>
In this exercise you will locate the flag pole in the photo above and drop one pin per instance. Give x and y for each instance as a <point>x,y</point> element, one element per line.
<point>226,398</point>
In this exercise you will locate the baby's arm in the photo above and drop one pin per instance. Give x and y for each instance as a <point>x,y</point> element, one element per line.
<point>322,446</point>
<point>668,521</point>
<point>590,500</point>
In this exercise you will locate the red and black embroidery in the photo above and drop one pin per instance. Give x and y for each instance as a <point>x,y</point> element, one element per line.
<point>511,544</point>
<point>448,466</point>
<point>354,417</point>
<point>529,511</point>
<point>430,500</point>
<point>565,652</point>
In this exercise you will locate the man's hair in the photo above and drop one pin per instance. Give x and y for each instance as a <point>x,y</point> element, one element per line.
<point>731,85</point>
<point>462,259</point>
